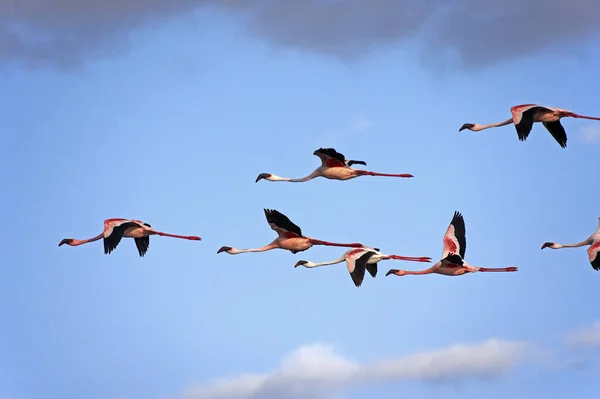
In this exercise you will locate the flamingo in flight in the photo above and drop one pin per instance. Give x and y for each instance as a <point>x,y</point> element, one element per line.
<point>289,237</point>
<point>334,166</point>
<point>523,117</point>
<point>359,259</point>
<point>453,263</point>
<point>593,251</point>
<point>117,228</point>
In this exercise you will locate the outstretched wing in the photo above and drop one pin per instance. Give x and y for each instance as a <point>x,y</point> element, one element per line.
<point>452,260</point>
<point>364,259</point>
<point>356,269</point>
<point>455,238</point>
<point>113,232</point>
<point>142,245</point>
<point>354,162</point>
<point>557,131</point>
<point>523,118</point>
<point>282,224</point>
<point>330,157</point>
<point>594,255</point>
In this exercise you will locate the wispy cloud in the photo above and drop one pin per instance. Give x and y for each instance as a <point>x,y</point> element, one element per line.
<point>362,124</point>
<point>587,337</point>
<point>590,134</point>
<point>67,32</point>
<point>318,371</point>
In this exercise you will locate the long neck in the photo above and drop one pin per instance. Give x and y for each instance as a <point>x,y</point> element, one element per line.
<point>314,174</point>
<point>234,251</point>
<point>331,262</point>
<point>417,272</point>
<point>579,244</point>
<point>76,242</point>
<point>482,127</point>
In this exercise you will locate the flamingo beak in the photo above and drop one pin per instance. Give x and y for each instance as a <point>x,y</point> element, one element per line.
<point>546,244</point>
<point>223,249</point>
<point>300,263</point>
<point>391,271</point>
<point>65,241</point>
<point>262,176</point>
<point>466,126</point>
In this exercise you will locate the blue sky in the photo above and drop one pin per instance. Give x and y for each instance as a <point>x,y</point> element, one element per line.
<point>171,120</point>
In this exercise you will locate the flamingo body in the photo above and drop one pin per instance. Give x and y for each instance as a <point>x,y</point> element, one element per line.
<point>360,259</point>
<point>289,237</point>
<point>334,166</point>
<point>117,228</point>
<point>525,115</point>
<point>452,262</point>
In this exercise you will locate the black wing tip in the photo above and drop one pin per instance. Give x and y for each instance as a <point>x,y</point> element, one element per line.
<point>458,216</point>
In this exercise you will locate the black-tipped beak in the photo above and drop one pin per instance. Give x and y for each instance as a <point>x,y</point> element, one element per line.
<point>65,241</point>
<point>223,249</point>
<point>300,263</point>
<point>262,176</point>
<point>546,245</point>
<point>466,126</point>
<point>391,271</point>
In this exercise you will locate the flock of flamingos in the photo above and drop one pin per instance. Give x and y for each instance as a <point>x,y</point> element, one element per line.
<point>360,257</point>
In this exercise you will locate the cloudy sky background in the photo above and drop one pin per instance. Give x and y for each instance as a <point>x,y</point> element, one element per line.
<point>167,111</point>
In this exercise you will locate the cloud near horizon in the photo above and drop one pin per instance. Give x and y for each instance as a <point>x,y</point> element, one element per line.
<point>587,337</point>
<point>318,371</point>
<point>480,32</point>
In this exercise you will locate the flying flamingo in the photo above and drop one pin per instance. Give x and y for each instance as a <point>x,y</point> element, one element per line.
<point>334,166</point>
<point>593,251</point>
<point>359,259</point>
<point>453,263</point>
<point>117,228</point>
<point>523,117</point>
<point>289,237</point>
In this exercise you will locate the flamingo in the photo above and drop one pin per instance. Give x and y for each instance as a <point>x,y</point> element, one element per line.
<point>453,263</point>
<point>359,259</point>
<point>334,166</point>
<point>289,237</point>
<point>523,117</point>
<point>117,228</point>
<point>593,251</point>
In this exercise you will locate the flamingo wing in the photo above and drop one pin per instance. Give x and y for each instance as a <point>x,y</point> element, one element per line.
<point>356,269</point>
<point>116,234</point>
<point>142,244</point>
<point>282,224</point>
<point>330,157</point>
<point>594,255</point>
<point>455,238</point>
<point>364,259</point>
<point>523,118</point>
<point>453,260</point>
<point>557,131</point>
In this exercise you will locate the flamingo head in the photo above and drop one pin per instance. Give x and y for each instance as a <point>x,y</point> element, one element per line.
<point>224,249</point>
<point>67,241</point>
<point>301,263</point>
<point>396,272</point>
<point>466,126</point>
<point>549,245</point>
<point>263,176</point>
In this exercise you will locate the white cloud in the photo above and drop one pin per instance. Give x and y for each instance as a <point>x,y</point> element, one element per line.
<point>318,371</point>
<point>362,124</point>
<point>586,337</point>
<point>590,134</point>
